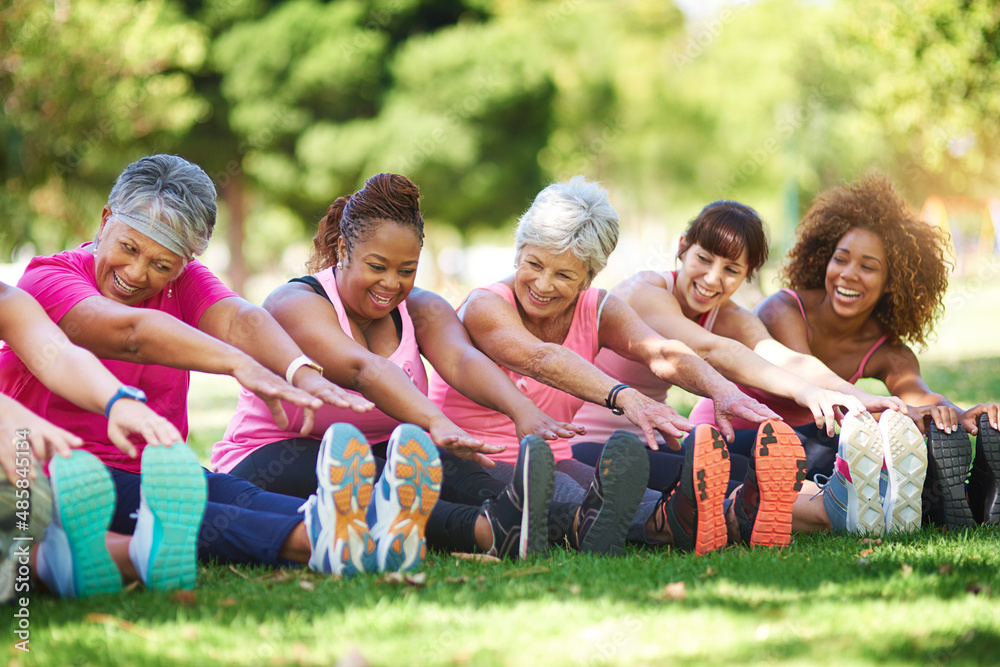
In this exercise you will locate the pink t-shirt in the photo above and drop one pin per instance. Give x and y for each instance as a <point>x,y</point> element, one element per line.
<point>793,413</point>
<point>62,281</point>
<point>497,428</point>
<point>601,422</point>
<point>252,426</point>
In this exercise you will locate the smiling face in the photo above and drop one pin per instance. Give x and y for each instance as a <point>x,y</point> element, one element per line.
<point>380,271</point>
<point>705,280</point>
<point>547,283</point>
<point>131,267</point>
<point>857,273</point>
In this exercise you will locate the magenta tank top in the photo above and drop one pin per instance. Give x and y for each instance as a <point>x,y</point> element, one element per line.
<point>252,426</point>
<point>497,428</point>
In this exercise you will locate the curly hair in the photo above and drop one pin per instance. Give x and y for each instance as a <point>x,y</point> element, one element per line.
<point>916,253</point>
<point>384,197</point>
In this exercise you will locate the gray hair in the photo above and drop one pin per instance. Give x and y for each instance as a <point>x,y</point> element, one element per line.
<point>170,191</point>
<point>572,216</point>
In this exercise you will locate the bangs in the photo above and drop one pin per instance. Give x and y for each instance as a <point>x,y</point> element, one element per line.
<point>723,240</point>
<point>726,228</point>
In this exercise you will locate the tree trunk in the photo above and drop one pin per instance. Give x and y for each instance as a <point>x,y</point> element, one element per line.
<point>232,194</point>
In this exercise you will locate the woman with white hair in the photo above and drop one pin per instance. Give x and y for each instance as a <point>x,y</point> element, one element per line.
<point>545,324</point>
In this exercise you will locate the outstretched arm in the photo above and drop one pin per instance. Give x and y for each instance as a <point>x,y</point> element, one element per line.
<point>445,342</point>
<point>312,323</point>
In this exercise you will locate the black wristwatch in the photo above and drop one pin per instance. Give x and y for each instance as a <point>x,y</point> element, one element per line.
<point>125,392</point>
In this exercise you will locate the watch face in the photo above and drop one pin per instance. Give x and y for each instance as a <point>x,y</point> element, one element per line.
<point>134,393</point>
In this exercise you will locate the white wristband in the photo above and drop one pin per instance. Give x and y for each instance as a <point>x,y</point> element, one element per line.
<point>298,363</point>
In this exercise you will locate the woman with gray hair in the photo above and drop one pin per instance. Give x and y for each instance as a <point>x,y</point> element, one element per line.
<point>138,299</point>
<point>545,324</point>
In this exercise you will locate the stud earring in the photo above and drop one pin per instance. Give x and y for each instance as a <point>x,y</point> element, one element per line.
<point>340,266</point>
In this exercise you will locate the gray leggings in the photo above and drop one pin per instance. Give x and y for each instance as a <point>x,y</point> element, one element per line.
<point>572,481</point>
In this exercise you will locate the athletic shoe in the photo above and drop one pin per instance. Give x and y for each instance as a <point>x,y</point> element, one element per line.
<point>949,456</point>
<point>73,560</point>
<point>906,460</point>
<point>692,505</point>
<point>613,496</point>
<point>853,495</point>
<point>173,493</point>
<point>335,516</point>
<point>520,516</point>
<point>985,471</point>
<point>774,478</point>
<point>404,497</point>
<point>21,527</point>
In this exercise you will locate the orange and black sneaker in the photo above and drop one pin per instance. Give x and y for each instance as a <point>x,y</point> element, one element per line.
<point>774,478</point>
<point>692,506</point>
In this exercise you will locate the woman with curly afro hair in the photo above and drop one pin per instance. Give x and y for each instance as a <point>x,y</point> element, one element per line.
<point>865,279</point>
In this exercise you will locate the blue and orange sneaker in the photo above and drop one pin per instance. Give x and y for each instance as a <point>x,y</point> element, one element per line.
<point>173,493</point>
<point>336,515</point>
<point>763,505</point>
<point>405,495</point>
<point>73,560</point>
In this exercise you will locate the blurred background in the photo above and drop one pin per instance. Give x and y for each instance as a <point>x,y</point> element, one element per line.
<point>288,105</point>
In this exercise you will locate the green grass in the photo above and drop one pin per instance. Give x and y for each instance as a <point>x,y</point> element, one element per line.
<point>927,598</point>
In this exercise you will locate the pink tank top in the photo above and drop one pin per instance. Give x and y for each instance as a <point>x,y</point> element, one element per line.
<point>793,413</point>
<point>600,421</point>
<point>497,428</point>
<point>252,426</point>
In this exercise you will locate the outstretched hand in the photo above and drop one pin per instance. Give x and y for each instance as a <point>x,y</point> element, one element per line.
<point>130,417</point>
<point>652,416</point>
<point>19,425</point>
<point>736,404</point>
<point>540,424</point>
<point>823,403</point>
<point>970,418</point>
<point>273,390</point>
<point>445,435</point>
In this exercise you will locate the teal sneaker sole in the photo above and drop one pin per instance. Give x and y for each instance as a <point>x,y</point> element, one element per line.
<point>175,490</point>
<point>84,496</point>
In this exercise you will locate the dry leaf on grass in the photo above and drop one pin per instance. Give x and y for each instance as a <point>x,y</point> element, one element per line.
<point>233,569</point>
<point>866,552</point>
<point>416,580</point>
<point>307,585</point>
<point>537,569</point>
<point>676,590</point>
<point>226,602</point>
<point>482,558</point>
<point>184,597</point>
<point>108,619</point>
<point>944,568</point>
<point>870,540</point>
<point>907,570</point>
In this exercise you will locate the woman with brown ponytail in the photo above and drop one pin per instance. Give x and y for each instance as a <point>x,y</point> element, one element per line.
<point>360,317</point>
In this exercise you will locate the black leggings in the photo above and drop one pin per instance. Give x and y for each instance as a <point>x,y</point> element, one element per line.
<point>289,467</point>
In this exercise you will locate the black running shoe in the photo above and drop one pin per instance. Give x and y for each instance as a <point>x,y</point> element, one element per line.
<point>949,456</point>
<point>985,471</point>
<point>519,517</point>
<point>614,495</point>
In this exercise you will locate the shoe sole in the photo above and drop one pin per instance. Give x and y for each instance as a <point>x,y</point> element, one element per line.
<point>410,485</point>
<point>780,464</point>
<point>863,450</point>
<point>174,486</point>
<point>538,482</point>
<point>84,496</point>
<point>988,441</point>
<point>950,458</point>
<point>346,473</point>
<point>624,471</point>
<point>710,463</point>
<point>905,448</point>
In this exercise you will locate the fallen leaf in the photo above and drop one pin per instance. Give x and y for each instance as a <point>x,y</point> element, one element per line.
<point>709,571</point>
<point>870,540</point>
<point>307,585</point>
<point>482,558</point>
<point>132,586</point>
<point>277,577</point>
<point>866,552</point>
<point>574,589</point>
<point>978,589</point>
<point>237,572</point>
<point>184,597</point>
<point>417,579</point>
<point>864,562</point>
<point>944,568</point>
<point>108,619</point>
<point>226,602</point>
<point>907,570</point>
<point>456,580</point>
<point>674,591</point>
